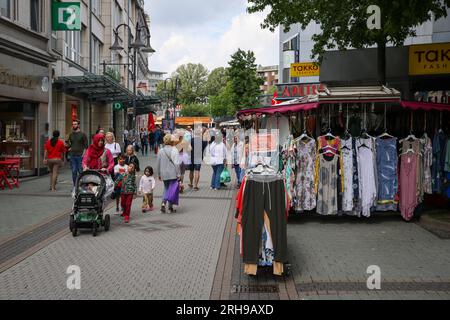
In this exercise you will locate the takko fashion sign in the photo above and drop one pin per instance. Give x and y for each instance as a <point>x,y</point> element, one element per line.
<point>429,59</point>
<point>289,91</point>
<point>305,69</point>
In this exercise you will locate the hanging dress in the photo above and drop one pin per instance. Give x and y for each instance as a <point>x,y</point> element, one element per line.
<point>408,182</point>
<point>416,146</point>
<point>306,156</point>
<point>366,173</point>
<point>327,200</point>
<point>387,164</point>
<point>427,162</point>
<point>347,155</point>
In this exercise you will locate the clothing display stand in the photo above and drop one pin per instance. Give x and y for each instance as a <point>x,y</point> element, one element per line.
<point>262,211</point>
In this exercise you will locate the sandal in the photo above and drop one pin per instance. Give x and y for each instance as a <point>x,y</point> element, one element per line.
<point>196,188</point>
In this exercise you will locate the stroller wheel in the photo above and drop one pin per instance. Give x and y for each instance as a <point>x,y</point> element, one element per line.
<point>107,222</point>
<point>94,229</point>
<point>72,223</point>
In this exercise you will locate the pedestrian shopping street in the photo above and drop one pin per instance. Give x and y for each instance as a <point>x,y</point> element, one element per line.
<point>194,253</point>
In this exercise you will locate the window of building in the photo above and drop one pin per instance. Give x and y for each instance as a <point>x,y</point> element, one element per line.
<point>73,46</point>
<point>97,7</point>
<point>117,16</point>
<point>291,44</point>
<point>5,8</point>
<point>96,53</point>
<point>35,15</point>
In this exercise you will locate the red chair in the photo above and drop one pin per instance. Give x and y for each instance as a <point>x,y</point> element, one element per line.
<point>13,168</point>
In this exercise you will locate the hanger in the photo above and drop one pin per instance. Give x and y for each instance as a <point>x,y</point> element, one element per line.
<point>385,134</point>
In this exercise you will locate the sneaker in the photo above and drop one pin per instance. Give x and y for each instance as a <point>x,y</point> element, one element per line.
<point>172,210</point>
<point>151,208</point>
<point>163,209</point>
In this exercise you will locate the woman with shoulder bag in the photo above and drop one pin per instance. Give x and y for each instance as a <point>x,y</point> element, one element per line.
<point>168,171</point>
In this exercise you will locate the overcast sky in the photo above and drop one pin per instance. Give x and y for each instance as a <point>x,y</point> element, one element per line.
<point>206,32</point>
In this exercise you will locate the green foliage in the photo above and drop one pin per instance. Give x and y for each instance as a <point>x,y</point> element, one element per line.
<point>344,22</point>
<point>244,79</point>
<point>193,79</point>
<point>217,80</point>
<point>195,110</point>
<point>272,90</point>
<point>223,103</point>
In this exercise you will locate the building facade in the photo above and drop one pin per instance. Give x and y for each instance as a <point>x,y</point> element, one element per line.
<point>269,75</point>
<point>353,67</point>
<point>85,60</point>
<point>25,85</point>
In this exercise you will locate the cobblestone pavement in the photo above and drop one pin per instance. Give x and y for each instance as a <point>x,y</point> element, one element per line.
<point>156,256</point>
<point>330,258</point>
<point>33,202</point>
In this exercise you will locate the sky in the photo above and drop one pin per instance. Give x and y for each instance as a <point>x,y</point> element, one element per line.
<point>206,32</point>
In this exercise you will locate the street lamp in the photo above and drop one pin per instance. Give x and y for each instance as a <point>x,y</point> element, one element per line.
<point>174,91</point>
<point>137,46</point>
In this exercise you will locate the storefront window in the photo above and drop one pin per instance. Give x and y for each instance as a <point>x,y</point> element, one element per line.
<point>17,127</point>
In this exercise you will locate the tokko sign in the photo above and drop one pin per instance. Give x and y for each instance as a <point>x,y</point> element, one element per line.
<point>290,91</point>
<point>304,69</point>
<point>429,59</point>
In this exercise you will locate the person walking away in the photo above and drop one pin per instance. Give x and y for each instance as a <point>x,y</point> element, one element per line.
<point>218,154</point>
<point>184,149</point>
<point>97,157</point>
<point>125,139</point>
<point>168,168</point>
<point>198,146</point>
<point>146,186</point>
<point>127,191</point>
<point>113,146</point>
<point>144,141</point>
<point>151,140</point>
<point>119,171</point>
<point>77,145</point>
<point>54,157</point>
<point>237,150</point>
<point>130,157</point>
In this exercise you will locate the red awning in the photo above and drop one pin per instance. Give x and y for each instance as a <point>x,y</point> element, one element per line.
<point>278,109</point>
<point>415,105</point>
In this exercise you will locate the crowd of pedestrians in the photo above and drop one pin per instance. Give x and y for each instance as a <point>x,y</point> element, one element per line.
<point>179,152</point>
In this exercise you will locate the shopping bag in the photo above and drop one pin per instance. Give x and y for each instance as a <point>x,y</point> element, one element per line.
<point>173,193</point>
<point>225,176</point>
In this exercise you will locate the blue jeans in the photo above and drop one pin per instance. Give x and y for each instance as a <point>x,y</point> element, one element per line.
<point>76,166</point>
<point>237,169</point>
<point>217,171</point>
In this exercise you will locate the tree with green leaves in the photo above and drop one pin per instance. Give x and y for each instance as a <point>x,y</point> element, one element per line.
<point>344,23</point>
<point>193,79</point>
<point>244,79</point>
<point>217,80</point>
<point>195,110</point>
<point>223,103</point>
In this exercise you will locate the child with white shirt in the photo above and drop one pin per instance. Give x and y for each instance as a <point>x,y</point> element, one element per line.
<point>146,186</point>
<point>119,170</point>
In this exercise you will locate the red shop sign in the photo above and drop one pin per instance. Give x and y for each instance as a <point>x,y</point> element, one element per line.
<point>289,91</point>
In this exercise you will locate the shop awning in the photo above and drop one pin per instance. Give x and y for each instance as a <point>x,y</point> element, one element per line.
<point>103,89</point>
<point>416,105</point>
<point>278,109</point>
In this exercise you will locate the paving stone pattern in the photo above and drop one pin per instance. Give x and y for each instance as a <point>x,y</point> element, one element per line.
<point>156,256</point>
<point>331,256</point>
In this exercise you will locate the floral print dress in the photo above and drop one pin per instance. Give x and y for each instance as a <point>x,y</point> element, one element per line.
<point>305,191</point>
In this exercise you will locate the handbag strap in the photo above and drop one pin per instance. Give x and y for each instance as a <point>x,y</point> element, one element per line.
<point>170,159</point>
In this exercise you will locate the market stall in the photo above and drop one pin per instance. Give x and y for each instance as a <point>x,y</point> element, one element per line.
<point>358,150</point>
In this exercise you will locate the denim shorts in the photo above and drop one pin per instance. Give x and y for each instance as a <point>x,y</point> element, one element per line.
<point>195,167</point>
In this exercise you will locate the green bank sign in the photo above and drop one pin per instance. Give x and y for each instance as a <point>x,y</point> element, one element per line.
<point>66,16</point>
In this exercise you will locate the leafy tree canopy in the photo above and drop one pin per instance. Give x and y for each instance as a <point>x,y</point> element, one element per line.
<point>244,79</point>
<point>217,80</point>
<point>193,79</point>
<point>344,22</point>
<point>223,103</point>
<point>195,110</point>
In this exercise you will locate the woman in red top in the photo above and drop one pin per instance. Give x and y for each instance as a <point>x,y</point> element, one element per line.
<point>53,157</point>
<point>97,157</point>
